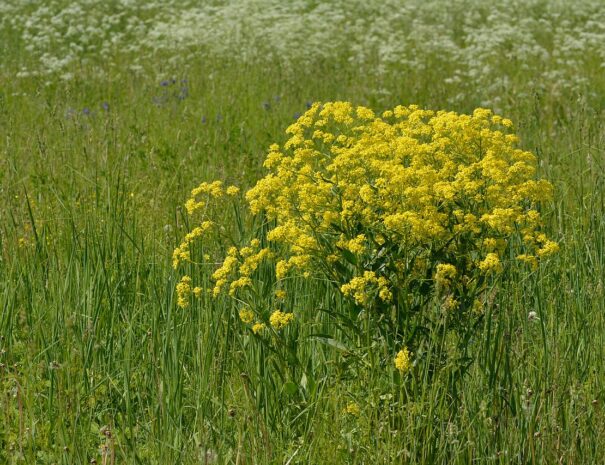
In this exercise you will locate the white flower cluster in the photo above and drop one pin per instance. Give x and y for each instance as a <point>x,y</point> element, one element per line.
<point>499,47</point>
<point>58,37</point>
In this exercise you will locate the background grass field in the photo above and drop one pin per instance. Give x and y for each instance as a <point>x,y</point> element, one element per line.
<point>98,154</point>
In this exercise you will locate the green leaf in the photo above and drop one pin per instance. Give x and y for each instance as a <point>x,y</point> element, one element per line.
<point>330,342</point>
<point>290,388</point>
<point>349,256</point>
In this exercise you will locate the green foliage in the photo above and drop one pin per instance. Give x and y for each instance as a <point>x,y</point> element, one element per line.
<point>412,215</point>
<point>96,360</point>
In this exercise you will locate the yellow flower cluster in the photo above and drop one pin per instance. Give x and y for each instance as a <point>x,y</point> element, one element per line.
<point>279,319</point>
<point>246,315</point>
<point>547,247</point>
<point>384,206</point>
<point>183,291</point>
<point>353,409</point>
<point>491,263</point>
<point>182,252</point>
<point>198,201</point>
<point>410,181</point>
<point>238,267</point>
<point>362,288</point>
<point>403,361</point>
<point>258,328</point>
<point>445,274</point>
<point>280,294</point>
<point>206,191</point>
<point>355,245</point>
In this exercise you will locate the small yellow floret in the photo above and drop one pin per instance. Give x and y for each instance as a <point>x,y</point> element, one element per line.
<point>279,319</point>
<point>232,190</point>
<point>403,360</point>
<point>246,315</point>
<point>258,327</point>
<point>491,264</point>
<point>353,409</point>
<point>183,291</point>
<point>280,294</point>
<point>548,248</point>
<point>445,274</point>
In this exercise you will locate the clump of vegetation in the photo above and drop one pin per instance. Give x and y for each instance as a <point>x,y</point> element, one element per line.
<point>413,216</point>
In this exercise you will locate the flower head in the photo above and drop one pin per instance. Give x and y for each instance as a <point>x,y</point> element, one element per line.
<point>246,315</point>
<point>258,327</point>
<point>279,319</point>
<point>403,361</point>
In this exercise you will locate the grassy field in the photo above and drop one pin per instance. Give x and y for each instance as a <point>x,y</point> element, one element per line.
<point>98,153</point>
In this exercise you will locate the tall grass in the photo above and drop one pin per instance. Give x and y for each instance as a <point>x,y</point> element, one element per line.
<point>98,364</point>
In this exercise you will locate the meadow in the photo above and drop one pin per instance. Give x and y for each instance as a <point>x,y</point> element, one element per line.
<point>111,112</point>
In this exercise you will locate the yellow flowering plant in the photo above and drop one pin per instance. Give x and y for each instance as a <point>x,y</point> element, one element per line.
<point>412,215</point>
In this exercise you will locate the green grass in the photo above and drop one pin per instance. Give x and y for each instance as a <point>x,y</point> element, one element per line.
<point>97,362</point>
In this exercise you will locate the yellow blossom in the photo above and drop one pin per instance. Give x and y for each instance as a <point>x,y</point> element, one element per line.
<point>353,409</point>
<point>183,291</point>
<point>491,263</point>
<point>548,248</point>
<point>378,203</point>
<point>445,274</point>
<point>280,294</point>
<point>357,245</point>
<point>232,190</point>
<point>403,360</point>
<point>362,288</point>
<point>258,327</point>
<point>531,260</point>
<point>246,315</point>
<point>279,319</point>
